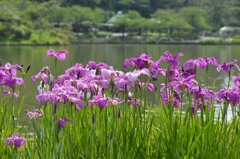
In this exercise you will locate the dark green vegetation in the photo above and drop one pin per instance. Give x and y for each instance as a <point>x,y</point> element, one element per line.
<point>73,21</point>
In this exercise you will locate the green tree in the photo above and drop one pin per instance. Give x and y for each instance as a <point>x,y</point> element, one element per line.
<point>11,28</point>
<point>216,11</point>
<point>61,14</point>
<point>84,3</point>
<point>143,6</point>
<point>172,23</point>
<point>85,17</point>
<point>232,13</point>
<point>109,4</point>
<point>196,17</point>
<point>38,14</point>
<point>131,22</point>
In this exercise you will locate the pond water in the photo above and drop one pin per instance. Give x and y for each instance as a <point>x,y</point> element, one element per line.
<point>113,55</point>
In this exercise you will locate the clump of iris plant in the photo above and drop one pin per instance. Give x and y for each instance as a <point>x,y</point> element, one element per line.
<point>15,140</point>
<point>9,78</point>
<point>116,102</point>
<point>90,83</point>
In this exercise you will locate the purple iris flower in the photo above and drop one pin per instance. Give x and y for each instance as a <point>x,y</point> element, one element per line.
<point>82,85</point>
<point>15,140</point>
<point>121,84</point>
<point>140,62</point>
<point>204,93</point>
<point>62,122</point>
<point>13,68</point>
<point>226,67</point>
<point>34,114</point>
<point>76,72</point>
<point>8,66</point>
<point>42,87</point>
<point>166,94</point>
<point>133,101</point>
<point>236,81</point>
<point>173,74</point>
<point>127,62</point>
<point>2,77</point>
<point>151,87</point>
<point>181,83</point>
<point>132,76</point>
<point>99,81</point>
<point>172,60</point>
<point>198,105</point>
<point>8,92</point>
<point>16,66</point>
<point>143,85</point>
<point>45,75</point>
<point>79,103</point>
<point>200,63</point>
<point>107,74</point>
<point>155,70</point>
<point>100,101</point>
<point>41,75</point>
<point>211,60</point>
<point>125,82</point>
<point>231,96</point>
<point>92,65</point>
<point>61,55</point>
<point>10,82</point>
<point>8,75</point>
<point>43,98</point>
<point>144,71</point>
<point>188,72</point>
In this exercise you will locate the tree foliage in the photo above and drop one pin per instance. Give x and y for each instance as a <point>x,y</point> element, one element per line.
<point>20,20</point>
<point>196,17</point>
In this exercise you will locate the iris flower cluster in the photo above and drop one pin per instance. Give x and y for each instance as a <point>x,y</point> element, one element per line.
<point>98,84</point>
<point>9,78</point>
<point>9,81</point>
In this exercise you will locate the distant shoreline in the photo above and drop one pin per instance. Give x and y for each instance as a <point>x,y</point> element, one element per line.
<point>126,42</point>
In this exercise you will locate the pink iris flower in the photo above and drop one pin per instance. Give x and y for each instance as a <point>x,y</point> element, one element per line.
<point>34,114</point>
<point>61,55</point>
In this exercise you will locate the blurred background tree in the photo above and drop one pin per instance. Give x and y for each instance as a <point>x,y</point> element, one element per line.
<point>59,21</point>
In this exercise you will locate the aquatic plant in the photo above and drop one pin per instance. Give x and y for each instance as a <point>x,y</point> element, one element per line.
<point>97,111</point>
